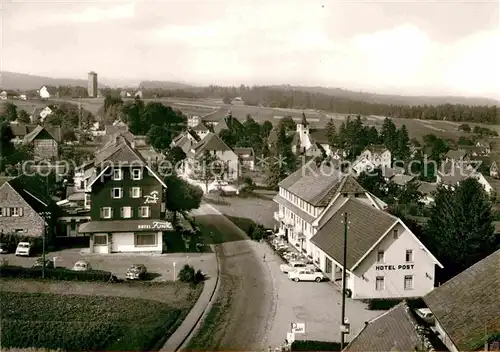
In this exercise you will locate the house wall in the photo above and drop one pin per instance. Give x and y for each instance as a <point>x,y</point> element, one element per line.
<point>124,242</point>
<point>44,93</point>
<point>30,222</point>
<point>45,147</point>
<point>101,195</point>
<point>422,268</point>
<point>445,338</point>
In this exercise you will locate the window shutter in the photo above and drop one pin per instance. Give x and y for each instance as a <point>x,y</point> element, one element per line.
<point>7,212</point>
<point>21,211</point>
<point>112,211</point>
<point>121,212</point>
<point>140,192</point>
<point>102,213</point>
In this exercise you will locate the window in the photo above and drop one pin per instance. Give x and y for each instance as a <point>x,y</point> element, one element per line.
<point>19,231</point>
<point>145,239</point>
<point>395,234</point>
<point>409,255</point>
<point>116,193</point>
<point>117,175</point>
<point>328,266</point>
<point>144,212</point>
<point>106,213</point>
<point>135,192</point>
<point>100,240</point>
<point>379,283</point>
<point>87,201</point>
<point>5,211</point>
<point>163,207</point>
<point>380,256</point>
<point>16,211</point>
<point>126,212</point>
<point>136,174</point>
<point>408,282</point>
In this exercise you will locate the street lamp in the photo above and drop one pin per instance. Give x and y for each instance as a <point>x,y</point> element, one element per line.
<point>46,215</point>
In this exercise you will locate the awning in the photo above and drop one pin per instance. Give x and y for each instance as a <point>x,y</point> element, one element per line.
<point>125,226</point>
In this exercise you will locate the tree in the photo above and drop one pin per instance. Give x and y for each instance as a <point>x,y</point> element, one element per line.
<point>402,151</point>
<point>389,135</point>
<point>288,123</point>
<point>181,196</point>
<point>23,116</point>
<point>175,155</point>
<point>209,168</point>
<point>464,127</point>
<point>331,133</point>
<point>159,138</point>
<point>459,231</point>
<point>10,112</point>
<point>374,182</point>
<point>265,129</point>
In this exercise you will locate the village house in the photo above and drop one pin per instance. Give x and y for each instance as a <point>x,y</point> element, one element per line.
<point>45,140</point>
<point>3,95</point>
<point>186,141</point>
<point>385,259</point>
<point>201,130</point>
<point>38,115</point>
<point>451,175</point>
<point>373,157</point>
<point>246,157</point>
<point>193,120</point>
<point>127,202</point>
<point>462,308</point>
<point>398,329</point>
<point>485,145</point>
<point>45,93</point>
<point>23,208</point>
<point>494,170</point>
<point>215,146</point>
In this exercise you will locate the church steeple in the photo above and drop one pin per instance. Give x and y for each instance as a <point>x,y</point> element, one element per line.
<point>304,120</point>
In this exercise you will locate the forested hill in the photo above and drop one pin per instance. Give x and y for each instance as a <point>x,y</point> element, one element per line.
<point>392,98</point>
<point>300,99</point>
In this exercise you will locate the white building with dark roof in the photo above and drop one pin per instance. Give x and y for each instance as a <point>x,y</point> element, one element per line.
<point>373,157</point>
<point>385,259</point>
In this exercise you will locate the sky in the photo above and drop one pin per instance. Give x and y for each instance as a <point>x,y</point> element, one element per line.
<point>405,47</point>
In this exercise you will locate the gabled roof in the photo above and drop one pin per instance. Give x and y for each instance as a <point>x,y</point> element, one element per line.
<point>34,197</point>
<point>200,127</point>
<point>210,143</point>
<point>455,154</point>
<point>318,136</point>
<point>390,172</point>
<point>377,148</point>
<point>394,330</point>
<point>120,154</point>
<point>367,225</point>
<point>319,184</point>
<point>466,306</point>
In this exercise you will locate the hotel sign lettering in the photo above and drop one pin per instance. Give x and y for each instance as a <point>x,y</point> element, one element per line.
<point>151,198</point>
<point>156,225</point>
<point>395,267</point>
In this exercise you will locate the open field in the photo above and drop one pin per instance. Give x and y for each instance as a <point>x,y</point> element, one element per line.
<point>318,119</point>
<point>34,316</point>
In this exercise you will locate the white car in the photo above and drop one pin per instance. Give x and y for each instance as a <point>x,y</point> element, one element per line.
<point>24,249</point>
<point>426,315</point>
<point>306,275</point>
<point>82,265</point>
<point>294,265</point>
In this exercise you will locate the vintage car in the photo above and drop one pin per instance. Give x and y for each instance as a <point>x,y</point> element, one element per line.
<point>306,275</point>
<point>82,265</point>
<point>136,272</point>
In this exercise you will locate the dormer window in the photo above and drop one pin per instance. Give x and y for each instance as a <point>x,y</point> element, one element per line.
<point>136,174</point>
<point>117,175</point>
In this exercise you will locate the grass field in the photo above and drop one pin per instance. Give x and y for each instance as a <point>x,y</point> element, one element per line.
<point>317,119</point>
<point>42,319</point>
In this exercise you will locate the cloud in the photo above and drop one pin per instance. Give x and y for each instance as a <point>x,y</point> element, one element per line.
<point>96,14</point>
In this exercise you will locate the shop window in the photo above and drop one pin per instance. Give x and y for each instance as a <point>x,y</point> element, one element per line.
<point>145,239</point>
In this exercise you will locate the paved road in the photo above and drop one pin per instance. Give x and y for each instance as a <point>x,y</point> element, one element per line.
<point>245,303</point>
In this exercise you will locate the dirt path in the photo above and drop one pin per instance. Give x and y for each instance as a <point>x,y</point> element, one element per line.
<point>245,305</point>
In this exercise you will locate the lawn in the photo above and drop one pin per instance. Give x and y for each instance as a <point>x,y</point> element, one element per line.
<point>35,316</point>
<point>243,210</point>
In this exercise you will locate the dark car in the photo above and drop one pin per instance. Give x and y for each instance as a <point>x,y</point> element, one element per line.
<point>39,263</point>
<point>4,249</point>
<point>136,272</point>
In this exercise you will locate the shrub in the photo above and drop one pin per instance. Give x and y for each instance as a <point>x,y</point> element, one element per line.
<point>186,274</point>
<point>309,345</point>
<point>55,274</point>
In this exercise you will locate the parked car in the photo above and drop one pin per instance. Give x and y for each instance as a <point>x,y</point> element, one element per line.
<point>82,265</point>
<point>426,315</point>
<point>4,249</point>
<point>24,249</point>
<point>294,265</point>
<point>136,272</point>
<point>39,263</point>
<point>306,275</point>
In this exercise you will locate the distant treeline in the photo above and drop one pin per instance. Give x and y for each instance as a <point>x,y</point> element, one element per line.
<point>290,98</point>
<point>299,99</point>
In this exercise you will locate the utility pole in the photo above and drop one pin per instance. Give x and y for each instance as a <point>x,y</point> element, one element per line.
<point>343,326</point>
<point>46,218</point>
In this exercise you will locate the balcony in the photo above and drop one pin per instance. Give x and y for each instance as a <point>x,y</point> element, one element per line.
<point>278,217</point>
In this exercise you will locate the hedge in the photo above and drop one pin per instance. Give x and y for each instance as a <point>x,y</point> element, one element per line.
<point>56,274</point>
<point>310,345</point>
